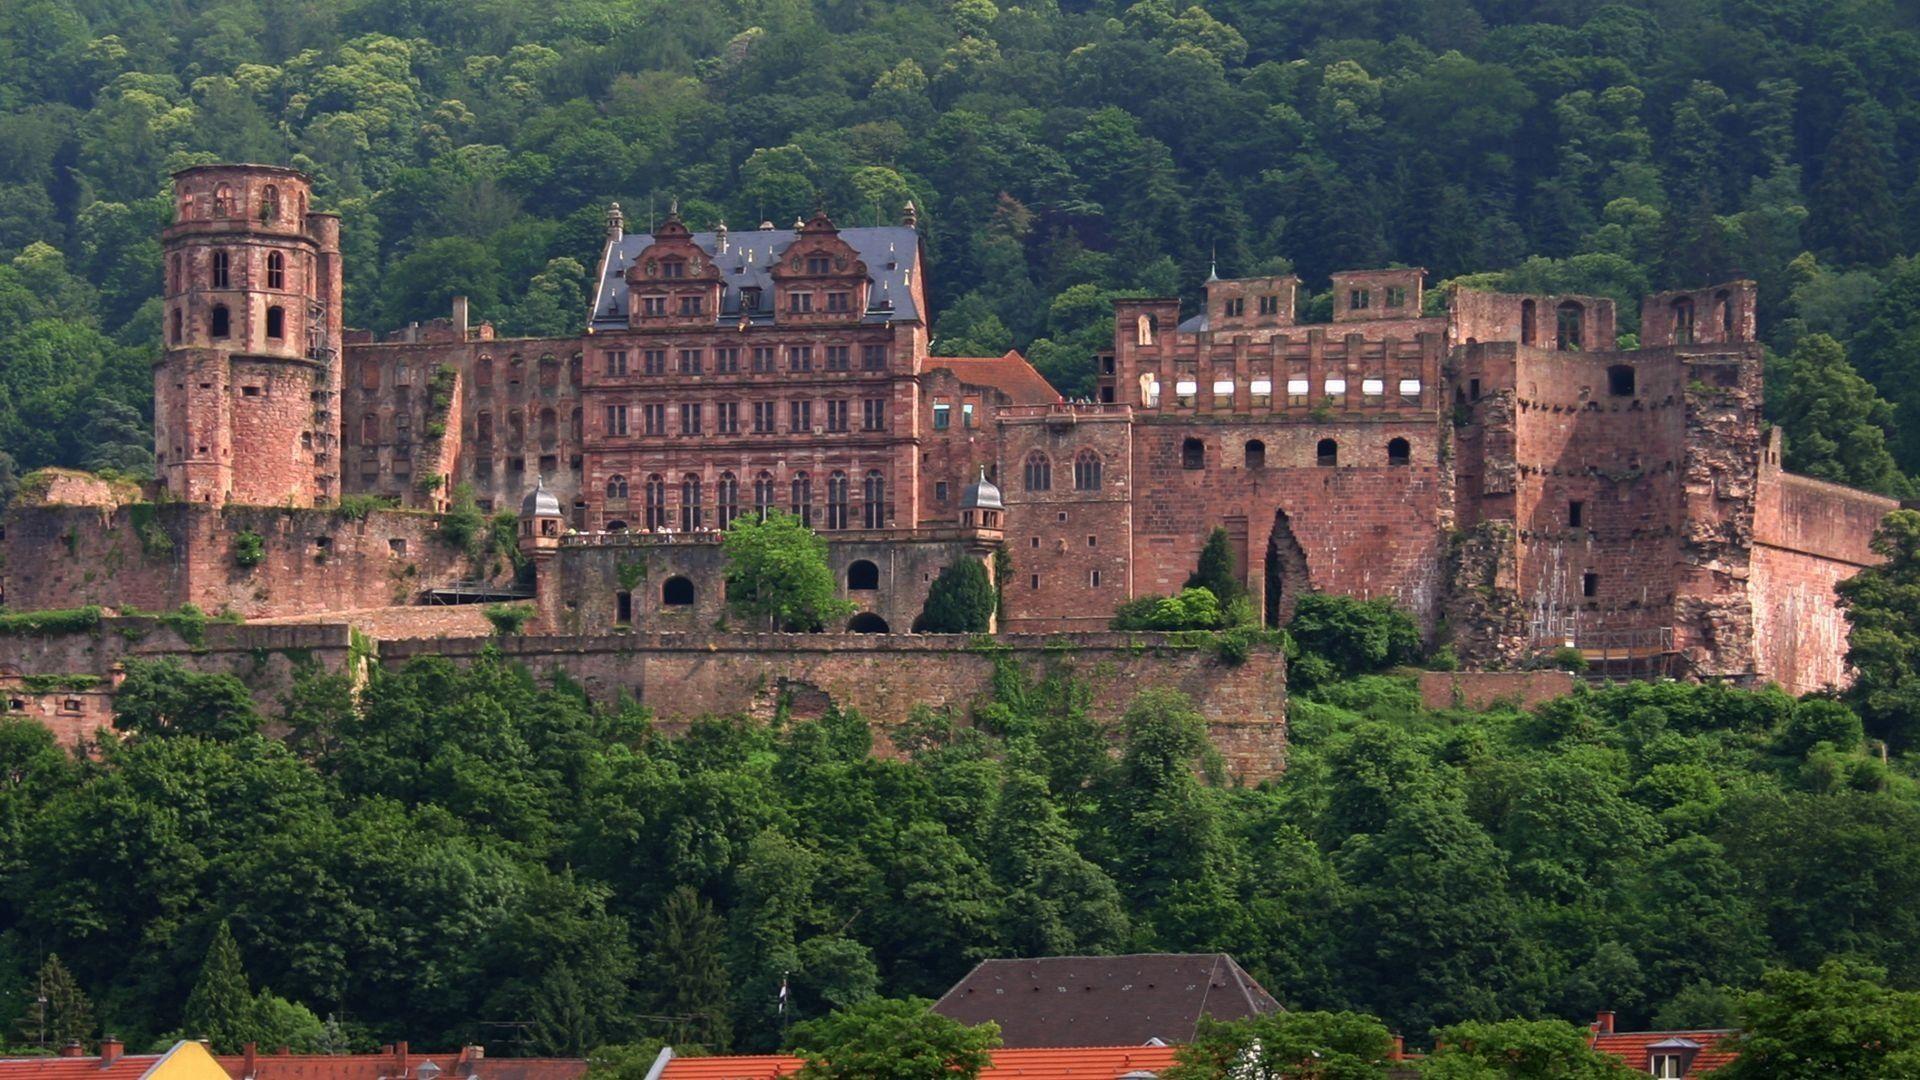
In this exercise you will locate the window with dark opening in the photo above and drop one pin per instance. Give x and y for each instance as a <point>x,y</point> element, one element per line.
<point>1620,380</point>
<point>1528,319</point>
<point>1039,472</point>
<point>1571,320</point>
<point>1193,454</point>
<point>1589,584</point>
<point>863,576</point>
<point>276,323</point>
<point>1256,454</point>
<point>1398,452</point>
<point>1327,453</point>
<point>221,269</point>
<point>1576,513</point>
<point>1682,312</point>
<point>622,601</point>
<point>676,592</point>
<point>221,323</point>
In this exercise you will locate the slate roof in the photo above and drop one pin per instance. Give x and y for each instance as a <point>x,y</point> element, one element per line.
<point>1056,1063</point>
<point>1105,1000</point>
<point>1634,1047</point>
<point>1011,374</point>
<point>891,252</point>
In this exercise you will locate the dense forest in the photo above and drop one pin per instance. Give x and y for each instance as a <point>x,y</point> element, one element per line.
<point>1061,153</point>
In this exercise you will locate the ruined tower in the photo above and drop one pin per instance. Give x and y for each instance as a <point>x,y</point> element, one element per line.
<point>246,393</point>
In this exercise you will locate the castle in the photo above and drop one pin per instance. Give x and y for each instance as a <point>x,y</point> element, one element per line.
<point>1497,464</point>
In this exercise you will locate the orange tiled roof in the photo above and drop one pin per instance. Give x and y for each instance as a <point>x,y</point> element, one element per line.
<point>1009,374</point>
<point>125,1067</point>
<point>1634,1048</point>
<point>394,1066</point>
<point>1051,1063</point>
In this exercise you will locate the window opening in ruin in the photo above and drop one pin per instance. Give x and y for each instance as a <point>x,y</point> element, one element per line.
<point>1286,571</point>
<point>178,325</point>
<point>622,601</point>
<point>1589,584</point>
<point>1570,320</point>
<point>1473,389</point>
<point>836,500</point>
<point>940,491</point>
<point>276,323</point>
<point>1396,296</point>
<point>276,270</point>
<point>1193,454</point>
<point>692,510</point>
<point>1528,322</point>
<point>1576,513</point>
<point>727,500</point>
<point>1270,305</point>
<point>1725,300</point>
<point>220,324</point>
<point>617,487</point>
<point>1359,299</point>
<point>942,416</point>
<point>269,203</point>
<point>1033,581</point>
<point>1327,453</point>
<point>1039,472</point>
<point>1682,311</point>
<point>1256,454</point>
<point>802,503</point>
<point>1093,578</point>
<point>1398,452</point>
<point>1620,380</point>
<point>676,592</point>
<point>1236,307</point>
<point>863,576</point>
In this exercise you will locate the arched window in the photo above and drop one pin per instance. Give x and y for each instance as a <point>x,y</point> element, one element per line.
<point>369,429</point>
<point>617,487</point>
<point>219,322</point>
<point>1327,453</point>
<point>1193,454</point>
<point>727,499</point>
<point>1529,320</point>
<point>1571,323</point>
<point>802,491</point>
<point>483,371</point>
<point>549,371</point>
<point>1039,472</point>
<point>1682,311</point>
<point>222,269</point>
<point>1620,380</point>
<point>222,201</point>
<point>276,270</point>
<point>1149,390</point>
<point>1086,471</point>
<point>862,576</point>
<point>1144,329</point>
<point>1398,452</point>
<point>836,500</point>
<point>277,322</point>
<point>174,282</point>
<point>623,600</point>
<point>549,426</point>
<point>656,502</point>
<point>574,364</point>
<point>1725,300</point>
<point>1256,454</point>
<point>178,326</point>
<point>866,622</point>
<point>762,495</point>
<point>676,591</point>
<point>874,492</point>
<point>616,525</point>
<point>269,203</point>
<point>691,517</point>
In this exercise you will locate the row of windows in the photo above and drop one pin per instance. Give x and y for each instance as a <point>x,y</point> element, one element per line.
<point>549,372</point>
<point>220,324</point>
<point>1087,471</point>
<point>548,422</point>
<point>1326,453</point>
<point>694,304</point>
<point>835,416</point>
<point>224,204</point>
<point>760,359</point>
<point>691,513</point>
<point>863,575</point>
<point>1299,391</point>
<point>220,271</point>
<point>1236,306</point>
<point>1362,299</point>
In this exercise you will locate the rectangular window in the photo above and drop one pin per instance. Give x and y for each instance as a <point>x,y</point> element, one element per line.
<point>653,305</point>
<point>616,420</point>
<point>1396,296</point>
<point>942,416</point>
<point>726,418</point>
<point>836,416</point>
<point>749,299</point>
<point>1373,388</point>
<point>1236,307</point>
<point>800,358</point>
<point>1269,305</point>
<point>617,362</point>
<point>1261,391</point>
<point>1410,390</point>
<point>691,304</point>
<point>1185,391</point>
<point>966,415</point>
<point>726,361</point>
<point>839,357</point>
<point>1336,387</point>
<point>1297,391</point>
<point>1359,299</point>
<point>800,303</point>
<point>1223,388</point>
<point>1093,578</point>
<point>1576,514</point>
<point>839,301</point>
<point>691,415</point>
<point>692,361</point>
<point>873,414</point>
<point>873,357</point>
<point>653,419</point>
<point>799,417</point>
<point>1033,581</point>
<point>654,362</point>
<point>763,417</point>
<point>1589,584</point>
<point>819,264</point>
<point>940,491</point>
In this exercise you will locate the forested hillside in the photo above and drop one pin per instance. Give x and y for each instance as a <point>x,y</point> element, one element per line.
<point>1060,153</point>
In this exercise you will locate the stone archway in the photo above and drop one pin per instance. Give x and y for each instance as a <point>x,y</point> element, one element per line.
<point>1286,571</point>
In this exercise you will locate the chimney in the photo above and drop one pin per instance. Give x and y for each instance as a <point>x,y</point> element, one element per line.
<point>400,1056</point>
<point>73,1049</point>
<point>1399,1051</point>
<point>616,223</point>
<point>110,1050</point>
<point>1603,1023</point>
<point>459,318</point>
<point>247,1055</point>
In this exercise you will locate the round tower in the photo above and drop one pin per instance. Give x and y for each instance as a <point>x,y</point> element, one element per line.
<point>246,390</point>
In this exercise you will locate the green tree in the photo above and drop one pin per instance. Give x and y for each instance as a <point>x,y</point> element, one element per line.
<point>1834,421</point>
<point>1851,203</point>
<point>221,1007</point>
<point>1216,572</point>
<point>777,574</point>
<point>1882,606</point>
<point>1344,636</point>
<point>961,601</point>
<point>1840,1020</point>
<point>1287,1046</point>
<point>57,1011</point>
<point>1521,1050</point>
<point>686,970</point>
<point>902,1039</point>
<point>163,698</point>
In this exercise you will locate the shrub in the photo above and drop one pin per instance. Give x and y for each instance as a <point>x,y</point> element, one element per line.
<point>1568,658</point>
<point>357,507</point>
<point>249,549</point>
<point>460,527</point>
<point>509,619</point>
<point>1192,609</point>
<point>58,621</point>
<point>1215,571</point>
<point>960,602</point>
<point>1350,636</point>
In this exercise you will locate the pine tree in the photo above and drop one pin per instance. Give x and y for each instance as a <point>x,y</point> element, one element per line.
<point>1215,573</point>
<point>59,1012</point>
<point>220,1008</point>
<point>687,969</point>
<point>1853,218</point>
<point>961,601</point>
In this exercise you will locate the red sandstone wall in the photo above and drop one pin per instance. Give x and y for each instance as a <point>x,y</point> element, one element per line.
<point>1479,690</point>
<point>1060,538</point>
<point>72,715</point>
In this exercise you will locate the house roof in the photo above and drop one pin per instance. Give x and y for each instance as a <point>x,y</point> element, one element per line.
<point>1634,1047</point>
<point>1105,1000</point>
<point>891,252</point>
<point>185,1060</point>
<point>1054,1063</point>
<point>399,1065</point>
<point>1010,374</point>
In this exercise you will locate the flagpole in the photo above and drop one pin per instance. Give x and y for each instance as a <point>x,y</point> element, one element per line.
<point>781,1008</point>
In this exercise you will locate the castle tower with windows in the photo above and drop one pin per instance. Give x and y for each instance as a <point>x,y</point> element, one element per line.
<point>246,392</point>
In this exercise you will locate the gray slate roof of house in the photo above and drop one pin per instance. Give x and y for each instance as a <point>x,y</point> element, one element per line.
<point>891,252</point>
<point>1104,1000</point>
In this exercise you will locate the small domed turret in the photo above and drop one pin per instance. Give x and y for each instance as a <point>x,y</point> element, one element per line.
<point>982,494</point>
<point>540,502</point>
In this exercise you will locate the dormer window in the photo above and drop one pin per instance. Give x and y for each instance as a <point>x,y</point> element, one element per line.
<point>800,303</point>
<point>1666,1067</point>
<point>750,298</point>
<point>819,264</point>
<point>673,268</point>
